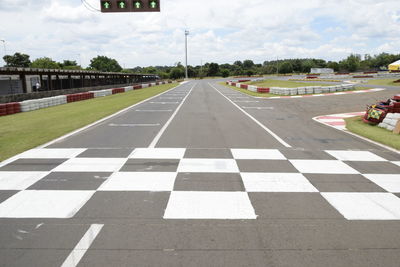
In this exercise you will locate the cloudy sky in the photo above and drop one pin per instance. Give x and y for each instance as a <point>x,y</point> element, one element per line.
<point>221,31</point>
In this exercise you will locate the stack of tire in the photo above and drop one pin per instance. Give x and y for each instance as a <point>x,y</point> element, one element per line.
<point>10,108</point>
<point>377,113</point>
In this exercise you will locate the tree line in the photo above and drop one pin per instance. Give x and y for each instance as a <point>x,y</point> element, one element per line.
<point>352,63</point>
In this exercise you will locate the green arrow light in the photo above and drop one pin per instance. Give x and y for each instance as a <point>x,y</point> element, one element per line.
<point>121,4</point>
<point>106,5</point>
<point>138,4</point>
<point>153,4</point>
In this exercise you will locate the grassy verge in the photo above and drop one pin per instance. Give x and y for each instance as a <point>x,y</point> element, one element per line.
<point>285,84</point>
<point>383,136</point>
<point>27,130</point>
<point>266,95</point>
<point>388,82</point>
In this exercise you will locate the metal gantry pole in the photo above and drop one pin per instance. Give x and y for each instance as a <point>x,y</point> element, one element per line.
<point>186,57</point>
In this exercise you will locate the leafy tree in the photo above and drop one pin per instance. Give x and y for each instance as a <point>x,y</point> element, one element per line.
<point>307,66</point>
<point>177,73</point>
<point>69,65</point>
<point>225,73</point>
<point>238,63</point>
<point>213,69</point>
<point>248,64</point>
<point>333,65</point>
<point>17,60</point>
<point>353,62</point>
<point>44,63</point>
<point>285,67</point>
<point>105,64</point>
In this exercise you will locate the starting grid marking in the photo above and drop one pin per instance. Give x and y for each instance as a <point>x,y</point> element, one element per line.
<point>158,170</point>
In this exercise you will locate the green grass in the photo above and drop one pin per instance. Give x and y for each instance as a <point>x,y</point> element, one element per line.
<point>266,95</point>
<point>285,84</point>
<point>383,136</point>
<point>388,82</point>
<point>27,130</point>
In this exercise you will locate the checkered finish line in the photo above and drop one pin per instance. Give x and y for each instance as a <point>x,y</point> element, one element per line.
<point>199,183</point>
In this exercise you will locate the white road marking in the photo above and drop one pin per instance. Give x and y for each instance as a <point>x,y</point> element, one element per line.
<point>52,153</point>
<point>158,153</point>
<point>280,140</point>
<point>269,154</point>
<point>154,110</point>
<point>246,101</point>
<point>209,205</point>
<point>260,108</point>
<point>133,125</point>
<point>365,206</point>
<point>84,244</point>
<point>158,136</point>
<point>208,165</point>
<point>276,182</point>
<point>164,103</point>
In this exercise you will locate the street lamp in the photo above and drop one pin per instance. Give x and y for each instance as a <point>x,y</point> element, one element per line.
<point>5,50</point>
<point>186,57</point>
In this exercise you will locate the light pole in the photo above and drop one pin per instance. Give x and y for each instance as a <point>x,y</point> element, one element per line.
<point>80,60</point>
<point>186,69</point>
<point>5,50</point>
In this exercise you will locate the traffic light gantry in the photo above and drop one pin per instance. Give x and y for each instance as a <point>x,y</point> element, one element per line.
<point>130,6</point>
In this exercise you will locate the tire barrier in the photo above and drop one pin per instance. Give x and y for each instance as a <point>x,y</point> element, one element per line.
<point>295,91</point>
<point>79,97</point>
<point>35,104</point>
<point>118,90</point>
<point>10,108</point>
<point>390,121</point>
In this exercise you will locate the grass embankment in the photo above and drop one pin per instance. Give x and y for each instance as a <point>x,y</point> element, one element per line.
<point>387,82</point>
<point>27,130</point>
<point>383,136</point>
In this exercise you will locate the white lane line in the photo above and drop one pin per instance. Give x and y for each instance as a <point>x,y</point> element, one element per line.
<point>158,136</point>
<point>133,125</point>
<point>83,245</point>
<point>154,110</point>
<point>259,108</point>
<point>280,140</point>
<point>164,103</point>
<point>246,101</point>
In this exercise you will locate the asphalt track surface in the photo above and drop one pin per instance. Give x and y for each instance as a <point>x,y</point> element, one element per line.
<point>203,175</point>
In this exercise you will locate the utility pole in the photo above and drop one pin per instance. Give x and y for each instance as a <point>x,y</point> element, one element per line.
<point>186,57</point>
<point>5,50</point>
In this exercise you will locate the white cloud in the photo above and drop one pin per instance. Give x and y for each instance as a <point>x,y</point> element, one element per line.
<point>220,31</point>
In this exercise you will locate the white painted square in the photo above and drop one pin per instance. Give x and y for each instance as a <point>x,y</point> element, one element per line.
<point>52,153</point>
<point>91,165</point>
<point>257,154</point>
<point>323,166</point>
<point>209,205</point>
<point>208,165</point>
<point>365,206</point>
<point>19,180</point>
<point>276,182</point>
<point>158,153</point>
<point>140,181</point>
<point>44,204</point>
<point>389,182</point>
<point>354,155</point>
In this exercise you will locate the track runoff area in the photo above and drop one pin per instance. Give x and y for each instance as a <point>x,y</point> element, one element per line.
<point>203,175</point>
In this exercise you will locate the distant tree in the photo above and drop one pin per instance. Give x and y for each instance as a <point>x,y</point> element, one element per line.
<point>150,70</point>
<point>333,65</point>
<point>307,66</point>
<point>213,70</point>
<point>248,64</point>
<point>17,60</point>
<point>225,73</point>
<point>106,64</point>
<point>69,65</point>
<point>44,63</point>
<point>238,63</point>
<point>353,62</point>
<point>285,67</point>
<point>177,73</point>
